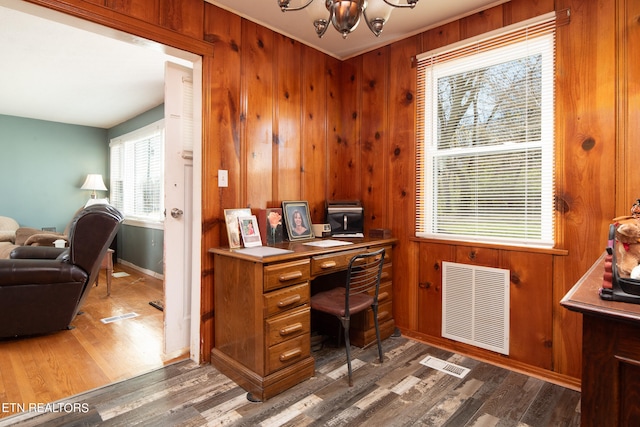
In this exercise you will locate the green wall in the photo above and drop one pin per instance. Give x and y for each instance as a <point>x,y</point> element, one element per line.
<point>44,164</point>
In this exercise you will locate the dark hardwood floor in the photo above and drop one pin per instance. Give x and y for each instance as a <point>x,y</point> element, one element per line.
<point>48,368</point>
<point>399,392</point>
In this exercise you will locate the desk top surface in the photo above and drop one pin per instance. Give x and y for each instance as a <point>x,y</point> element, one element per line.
<point>303,249</point>
<point>584,297</point>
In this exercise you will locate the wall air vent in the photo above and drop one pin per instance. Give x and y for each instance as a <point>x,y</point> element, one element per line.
<point>475,305</point>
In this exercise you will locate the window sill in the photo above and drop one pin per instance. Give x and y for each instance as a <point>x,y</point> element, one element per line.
<point>551,251</point>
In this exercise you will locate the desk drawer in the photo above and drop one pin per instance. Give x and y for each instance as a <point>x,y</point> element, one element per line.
<point>387,273</point>
<point>285,299</point>
<point>323,264</point>
<point>388,253</point>
<point>364,320</point>
<point>288,352</point>
<point>385,293</point>
<point>289,325</point>
<point>277,276</point>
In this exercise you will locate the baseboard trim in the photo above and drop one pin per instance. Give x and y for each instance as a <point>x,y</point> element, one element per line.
<point>141,270</point>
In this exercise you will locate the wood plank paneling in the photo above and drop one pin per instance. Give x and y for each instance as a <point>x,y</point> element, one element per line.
<point>335,129</point>
<point>344,149</point>
<point>287,119</point>
<point>401,177</point>
<point>257,114</point>
<point>441,36</point>
<point>374,138</point>
<point>474,255</point>
<point>314,132</point>
<point>531,334</point>
<point>429,302</point>
<point>220,149</point>
<point>183,16</point>
<point>585,137</point>
<point>482,22</point>
<point>628,154</point>
<point>520,10</point>
<point>147,11</point>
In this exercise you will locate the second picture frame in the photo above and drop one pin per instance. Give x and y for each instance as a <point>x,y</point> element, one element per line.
<point>297,220</point>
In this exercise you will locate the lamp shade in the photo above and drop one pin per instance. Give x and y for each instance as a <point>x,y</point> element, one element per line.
<point>94,182</point>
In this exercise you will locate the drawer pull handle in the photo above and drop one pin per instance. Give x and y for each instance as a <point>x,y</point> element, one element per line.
<point>288,355</point>
<point>290,276</point>
<point>288,301</point>
<point>328,264</point>
<point>383,296</point>
<point>291,329</point>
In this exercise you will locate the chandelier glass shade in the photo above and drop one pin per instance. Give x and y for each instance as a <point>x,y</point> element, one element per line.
<point>345,15</point>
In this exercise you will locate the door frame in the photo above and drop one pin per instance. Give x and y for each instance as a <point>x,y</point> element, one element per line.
<point>92,18</point>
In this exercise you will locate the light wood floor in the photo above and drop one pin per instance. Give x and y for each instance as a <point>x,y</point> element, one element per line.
<point>399,392</point>
<point>43,369</point>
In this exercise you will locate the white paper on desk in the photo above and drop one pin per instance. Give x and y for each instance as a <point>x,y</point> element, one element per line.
<point>329,243</point>
<point>262,251</point>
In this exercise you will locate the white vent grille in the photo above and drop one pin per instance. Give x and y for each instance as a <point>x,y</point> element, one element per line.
<point>444,366</point>
<point>475,305</point>
<point>120,317</point>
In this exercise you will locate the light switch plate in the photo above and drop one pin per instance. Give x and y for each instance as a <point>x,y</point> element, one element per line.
<point>223,178</point>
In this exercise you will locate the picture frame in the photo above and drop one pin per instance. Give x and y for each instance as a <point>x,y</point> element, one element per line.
<point>233,226</point>
<point>271,225</point>
<point>297,220</point>
<point>250,231</point>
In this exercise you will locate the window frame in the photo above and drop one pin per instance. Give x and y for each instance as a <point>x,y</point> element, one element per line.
<point>142,134</point>
<point>427,132</point>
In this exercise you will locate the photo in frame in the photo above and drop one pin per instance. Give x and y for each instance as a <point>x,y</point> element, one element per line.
<point>233,227</point>
<point>249,230</point>
<point>271,225</point>
<point>297,220</point>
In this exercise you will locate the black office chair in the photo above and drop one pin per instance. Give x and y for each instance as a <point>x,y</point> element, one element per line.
<point>360,293</point>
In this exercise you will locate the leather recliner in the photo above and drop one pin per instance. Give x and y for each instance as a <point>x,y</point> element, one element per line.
<point>43,288</point>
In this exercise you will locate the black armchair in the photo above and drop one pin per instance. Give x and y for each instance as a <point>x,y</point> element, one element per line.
<point>42,288</point>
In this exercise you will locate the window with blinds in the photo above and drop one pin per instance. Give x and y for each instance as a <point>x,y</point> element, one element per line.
<point>136,176</point>
<point>485,167</point>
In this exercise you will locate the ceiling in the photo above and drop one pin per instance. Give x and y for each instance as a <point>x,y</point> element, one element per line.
<point>63,69</point>
<point>402,23</point>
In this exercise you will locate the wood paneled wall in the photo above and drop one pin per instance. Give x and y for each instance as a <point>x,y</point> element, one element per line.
<point>289,122</point>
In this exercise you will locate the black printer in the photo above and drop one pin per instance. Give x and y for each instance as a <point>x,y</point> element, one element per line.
<point>346,218</point>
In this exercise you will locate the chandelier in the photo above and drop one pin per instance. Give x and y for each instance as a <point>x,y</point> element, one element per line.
<point>345,14</point>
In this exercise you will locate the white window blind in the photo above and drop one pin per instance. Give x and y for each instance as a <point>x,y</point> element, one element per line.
<point>485,138</point>
<point>137,173</point>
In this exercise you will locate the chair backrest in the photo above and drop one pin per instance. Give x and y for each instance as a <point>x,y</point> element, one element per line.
<point>363,275</point>
<point>90,233</point>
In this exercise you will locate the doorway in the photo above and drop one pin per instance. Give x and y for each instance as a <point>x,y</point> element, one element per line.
<point>195,194</point>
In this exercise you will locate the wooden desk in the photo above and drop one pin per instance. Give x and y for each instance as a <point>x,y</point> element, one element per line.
<point>610,353</point>
<point>262,312</point>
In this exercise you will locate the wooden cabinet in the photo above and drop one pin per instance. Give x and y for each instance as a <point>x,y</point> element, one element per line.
<point>263,318</point>
<point>610,353</point>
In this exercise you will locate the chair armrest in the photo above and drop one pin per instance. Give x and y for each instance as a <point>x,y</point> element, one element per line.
<point>36,252</point>
<point>39,271</point>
